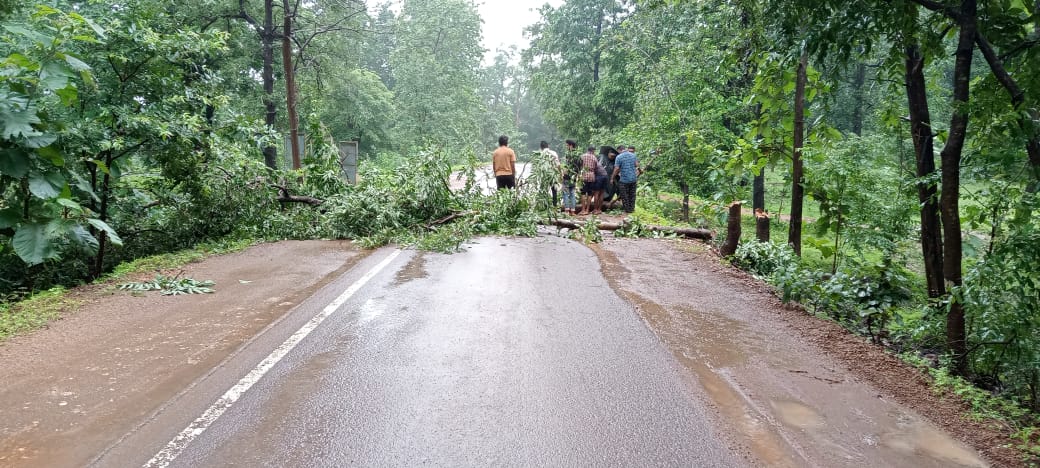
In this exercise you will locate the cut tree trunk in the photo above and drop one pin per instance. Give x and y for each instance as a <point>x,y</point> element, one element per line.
<point>733,229</point>
<point>761,225</point>
<point>691,233</point>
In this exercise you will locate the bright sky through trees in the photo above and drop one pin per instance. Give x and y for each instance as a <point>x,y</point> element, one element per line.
<point>505,20</point>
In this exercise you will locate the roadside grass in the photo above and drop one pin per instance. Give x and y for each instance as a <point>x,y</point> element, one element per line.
<point>33,312</point>
<point>38,309</point>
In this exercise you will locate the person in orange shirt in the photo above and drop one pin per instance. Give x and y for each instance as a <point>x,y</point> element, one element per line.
<point>503,162</point>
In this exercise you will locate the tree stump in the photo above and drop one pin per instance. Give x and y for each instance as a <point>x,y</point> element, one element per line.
<point>732,231</point>
<point>761,225</point>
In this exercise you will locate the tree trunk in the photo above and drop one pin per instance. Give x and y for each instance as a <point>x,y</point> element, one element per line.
<point>758,193</point>
<point>690,233</point>
<point>267,37</point>
<point>761,226</point>
<point>859,80</point>
<point>290,84</point>
<point>949,199</point>
<point>921,132</point>
<point>733,228</point>
<point>758,204</point>
<point>99,259</point>
<point>685,187</point>
<point>794,234</point>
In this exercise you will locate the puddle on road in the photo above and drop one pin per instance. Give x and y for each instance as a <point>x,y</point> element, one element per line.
<point>735,407</point>
<point>798,415</point>
<point>700,356</point>
<point>917,438</point>
<point>415,269</point>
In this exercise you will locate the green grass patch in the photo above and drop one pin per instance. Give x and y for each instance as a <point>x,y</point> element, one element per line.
<point>33,312</point>
<point>175,259</point>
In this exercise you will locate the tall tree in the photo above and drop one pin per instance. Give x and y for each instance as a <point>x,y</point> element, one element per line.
<point>577,78</point>
<point>794,234</point>
<point>435,65</point>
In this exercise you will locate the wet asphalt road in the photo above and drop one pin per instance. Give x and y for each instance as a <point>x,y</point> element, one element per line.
<point>513,353</point>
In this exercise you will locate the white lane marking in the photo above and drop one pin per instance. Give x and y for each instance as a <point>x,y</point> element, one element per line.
<point>179,443</point>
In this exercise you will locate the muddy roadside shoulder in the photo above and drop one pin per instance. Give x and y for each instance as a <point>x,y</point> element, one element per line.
<point>677,271</point>
<point>70,389</point>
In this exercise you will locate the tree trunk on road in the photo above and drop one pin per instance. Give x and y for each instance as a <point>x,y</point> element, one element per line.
<point>702,234</point>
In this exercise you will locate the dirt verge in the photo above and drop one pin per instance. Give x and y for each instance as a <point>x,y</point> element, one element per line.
<point>801,390</point>
<point>69,390</point>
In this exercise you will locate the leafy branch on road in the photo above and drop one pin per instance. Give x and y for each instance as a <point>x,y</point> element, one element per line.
<point>170,285</point>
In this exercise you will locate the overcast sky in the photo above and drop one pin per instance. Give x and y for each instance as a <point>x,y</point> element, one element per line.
<point>504,21</point>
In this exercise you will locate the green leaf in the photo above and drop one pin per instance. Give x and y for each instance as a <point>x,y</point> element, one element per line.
<point>83,238</point>
<point>84,186</point>
<point>103,226</point>
<point>70,204</point>
<point>52,154</point>
<point>29,34</point>
<point>20,60</point>
<point>76,64</point>
<point>97,29</point>
<point>10,218</point>
<point>100,165</point>
<point>14,162</point>
<point>19,122</point>
<point>33,244</point>
<point>46,185</point>
<point>55,75</point>
<point>69,95</point>
<point>39,140</point>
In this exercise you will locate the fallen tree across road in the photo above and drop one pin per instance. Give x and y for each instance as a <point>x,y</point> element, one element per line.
<point>690,233</point>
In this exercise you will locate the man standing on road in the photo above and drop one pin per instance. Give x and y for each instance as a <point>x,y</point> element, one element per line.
<point>610,190</point>
<point>503,162</point>
<point>571,168</point>
<point>590,187</point>
<point>627,167</point>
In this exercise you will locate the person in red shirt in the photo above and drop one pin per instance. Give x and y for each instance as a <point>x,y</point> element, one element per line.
<point>591,178</point>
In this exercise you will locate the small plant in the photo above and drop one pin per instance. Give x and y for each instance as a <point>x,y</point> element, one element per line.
<point>631,227</point>
<point>589,232</point>
<point>170,286</point>
<point>763,258</point>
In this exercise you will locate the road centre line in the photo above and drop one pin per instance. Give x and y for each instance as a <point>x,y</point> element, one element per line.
<point>174,448</point>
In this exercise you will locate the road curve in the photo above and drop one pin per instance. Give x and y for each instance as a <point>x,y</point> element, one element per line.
<point>513,353</point>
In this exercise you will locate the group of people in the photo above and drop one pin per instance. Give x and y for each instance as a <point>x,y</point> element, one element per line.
<point>601,180</point>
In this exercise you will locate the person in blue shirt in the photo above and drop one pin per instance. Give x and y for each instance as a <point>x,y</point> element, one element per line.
<point>626,168</point>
